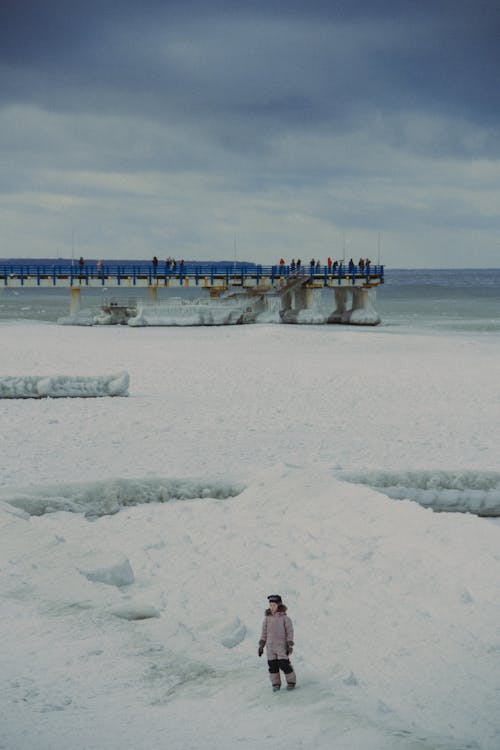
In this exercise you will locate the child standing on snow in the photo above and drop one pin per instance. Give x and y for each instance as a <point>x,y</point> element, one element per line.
<point>277,636</point>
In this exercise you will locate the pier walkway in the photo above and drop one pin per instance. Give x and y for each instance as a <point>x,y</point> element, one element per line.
<point>217,276</point>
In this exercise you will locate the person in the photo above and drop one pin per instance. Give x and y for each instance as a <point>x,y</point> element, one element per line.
<point>277,637</point>
<point>155,264</point>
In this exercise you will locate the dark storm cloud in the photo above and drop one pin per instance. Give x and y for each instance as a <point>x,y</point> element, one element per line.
<point>288,123</point>
<point>262,65</point>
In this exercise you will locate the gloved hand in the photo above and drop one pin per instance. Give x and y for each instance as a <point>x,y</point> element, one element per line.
<point>289,648</point>
<point>261,647</point>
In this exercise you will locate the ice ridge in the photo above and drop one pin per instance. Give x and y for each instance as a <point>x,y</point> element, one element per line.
<point>64,386</point>
<point>102,498</point>
<point>475,492</point>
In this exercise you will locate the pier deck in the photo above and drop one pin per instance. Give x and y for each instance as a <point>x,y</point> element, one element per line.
<point>217,276</point>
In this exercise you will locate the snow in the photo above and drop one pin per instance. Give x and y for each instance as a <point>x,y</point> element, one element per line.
<point>139,538</point>
<point>64,386</point>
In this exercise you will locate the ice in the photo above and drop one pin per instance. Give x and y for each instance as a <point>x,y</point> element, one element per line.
<point>179,312</point>
<point>64,386</point>
<point>135,611</point>
<point>81,318</point>
<point>233,634</point>
<point>118,573</point>
<point>251,460</point>
<point>106,497</point>
<point>460,491</point>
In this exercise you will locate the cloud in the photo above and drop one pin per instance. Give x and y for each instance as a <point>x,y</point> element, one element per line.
<point>289,125</point>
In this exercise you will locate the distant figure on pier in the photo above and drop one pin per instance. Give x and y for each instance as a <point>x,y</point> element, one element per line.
<point>312,264</point>
<point>351,266</point>
<point>335,265</point>
<point>282,261</point>
<point>329,264</point>
<point>99,266</point>
<point>155,264</point>
<point>292,265</point>
<point>81,263</point>
<point>299,262</point>
<point>318,264</point>
<point>361,264</point>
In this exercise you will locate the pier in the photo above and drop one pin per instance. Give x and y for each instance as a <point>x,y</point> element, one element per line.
<point>294,290</point>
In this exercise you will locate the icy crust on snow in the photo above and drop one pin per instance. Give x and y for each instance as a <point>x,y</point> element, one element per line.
<point>64,386</point>
<point>475,492</point>
<point>103,498</point>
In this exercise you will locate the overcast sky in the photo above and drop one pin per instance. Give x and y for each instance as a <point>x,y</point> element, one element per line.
<point>210,130</point>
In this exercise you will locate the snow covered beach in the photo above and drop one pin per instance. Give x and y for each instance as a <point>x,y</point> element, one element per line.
<point>133,621</point>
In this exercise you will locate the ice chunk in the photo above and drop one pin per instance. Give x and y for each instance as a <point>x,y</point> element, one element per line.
<point>118,574</point>
<point>233,634</point>
<point>135,611</point>
<point>64,386</point>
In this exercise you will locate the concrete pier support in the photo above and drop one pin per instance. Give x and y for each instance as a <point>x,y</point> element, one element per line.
<point>74,301</point>
<point>302,305</point>
<point>363,309</point>
<point>285,302</point>
<point>355,307</point>
<point>343,306</point>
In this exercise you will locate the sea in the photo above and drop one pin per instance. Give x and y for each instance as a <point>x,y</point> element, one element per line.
<point>430,300</point>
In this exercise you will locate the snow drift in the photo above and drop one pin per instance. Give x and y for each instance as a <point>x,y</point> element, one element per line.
<point>64,386</point>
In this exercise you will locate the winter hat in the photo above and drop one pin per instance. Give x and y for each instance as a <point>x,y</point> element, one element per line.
<point>275,598</point>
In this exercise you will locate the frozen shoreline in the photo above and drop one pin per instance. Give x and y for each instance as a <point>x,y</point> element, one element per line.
<point>137,628</point>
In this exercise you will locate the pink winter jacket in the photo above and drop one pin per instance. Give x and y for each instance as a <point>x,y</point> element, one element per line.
<point>277,630</point>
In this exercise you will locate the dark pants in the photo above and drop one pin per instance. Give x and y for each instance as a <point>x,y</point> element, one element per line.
<point>274,671</point>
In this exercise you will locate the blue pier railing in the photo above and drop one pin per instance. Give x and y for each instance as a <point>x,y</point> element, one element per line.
<point>164,272</point>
